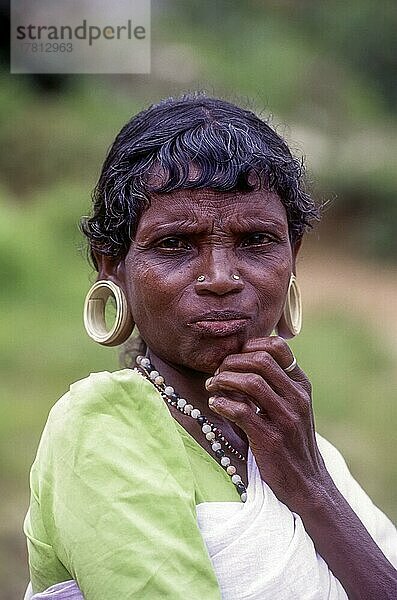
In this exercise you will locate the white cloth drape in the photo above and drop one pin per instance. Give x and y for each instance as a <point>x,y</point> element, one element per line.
<point>260,549</point>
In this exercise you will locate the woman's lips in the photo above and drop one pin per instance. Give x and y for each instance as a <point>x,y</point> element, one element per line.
<point>220,324</point>
<point>220,328</point>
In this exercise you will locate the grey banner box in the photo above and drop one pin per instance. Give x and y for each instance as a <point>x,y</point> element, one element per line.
<point>80,36</point>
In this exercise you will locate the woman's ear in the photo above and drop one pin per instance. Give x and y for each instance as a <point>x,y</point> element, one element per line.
<point>295,250</point>
<point>110,282</point>
<point>291,319</point>
<point>110,268</point>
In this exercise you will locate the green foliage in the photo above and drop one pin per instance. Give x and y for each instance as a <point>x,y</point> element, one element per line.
<point>327,68</point>
<point>57,138</point>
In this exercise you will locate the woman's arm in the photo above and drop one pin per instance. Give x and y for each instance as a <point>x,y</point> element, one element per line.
<point>282,439</point>
<point>345,544</point>
<point>115,497</point>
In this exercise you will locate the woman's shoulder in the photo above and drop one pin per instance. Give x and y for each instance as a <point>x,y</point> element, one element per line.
<point>109,423</point>
<point>106,410</point>
<point>96,386</point>
<point>123,395</point>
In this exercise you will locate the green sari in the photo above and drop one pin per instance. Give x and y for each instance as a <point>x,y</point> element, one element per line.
<point>114,490</point>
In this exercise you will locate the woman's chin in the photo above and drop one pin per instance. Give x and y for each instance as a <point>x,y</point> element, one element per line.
<point>208,354</point>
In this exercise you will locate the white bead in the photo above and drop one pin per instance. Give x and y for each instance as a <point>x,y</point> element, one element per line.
<point>231,470</point>
<point>168,390</point>
<point>236,478</point>
<point>139,359</point>
<point>210,436</point>
<point>206,428</point>
<point>188,409</point>
<point>195,413</point>
<point>153,375</point>
<point>159,380</point>
<point>225,461</point>
<point>145,362</point>
<point>244,497</point>
<point>216,446</point>
<point>181,402</point>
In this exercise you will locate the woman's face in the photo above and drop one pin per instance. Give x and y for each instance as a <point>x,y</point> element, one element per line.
<point>191,233</point>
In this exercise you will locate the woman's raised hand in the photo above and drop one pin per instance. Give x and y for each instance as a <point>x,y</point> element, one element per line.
<point>281,436</point>
<point>282,439</point>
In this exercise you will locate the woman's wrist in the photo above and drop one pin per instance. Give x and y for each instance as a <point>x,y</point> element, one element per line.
<point>345,544</point>
<point>319,499</point>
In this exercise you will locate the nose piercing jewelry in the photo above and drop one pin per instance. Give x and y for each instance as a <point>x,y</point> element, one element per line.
<point>202,277</point>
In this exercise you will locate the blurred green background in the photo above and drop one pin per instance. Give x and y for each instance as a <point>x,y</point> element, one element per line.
<point>324,72</point>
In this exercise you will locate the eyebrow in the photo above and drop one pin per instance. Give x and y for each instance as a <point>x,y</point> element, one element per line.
<point>257,222</point>
<point>182,225</point>
<point>241,225</point>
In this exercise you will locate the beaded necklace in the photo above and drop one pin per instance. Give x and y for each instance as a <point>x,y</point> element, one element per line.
<point>212,433</point>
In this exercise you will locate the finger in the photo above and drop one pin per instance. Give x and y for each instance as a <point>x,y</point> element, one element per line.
<point>263,364</point>
<point>254,426</point>
<point>278,348</point>
<point>251,386</point>
<point>237,412</point>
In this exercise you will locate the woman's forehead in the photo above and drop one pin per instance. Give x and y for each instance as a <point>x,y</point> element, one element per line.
<point>203,204</point>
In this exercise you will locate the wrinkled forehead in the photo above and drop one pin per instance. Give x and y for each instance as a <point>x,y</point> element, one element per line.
<point>194,199</point>
<point>213,208</point>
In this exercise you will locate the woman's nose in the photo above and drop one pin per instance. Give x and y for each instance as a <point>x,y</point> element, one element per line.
<point>219,276</point>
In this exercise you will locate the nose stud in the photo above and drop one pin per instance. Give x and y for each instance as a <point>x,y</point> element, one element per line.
<point>202,277</point>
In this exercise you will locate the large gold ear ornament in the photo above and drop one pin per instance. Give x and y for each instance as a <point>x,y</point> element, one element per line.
<point>94,314</point>
<point>290,323</point>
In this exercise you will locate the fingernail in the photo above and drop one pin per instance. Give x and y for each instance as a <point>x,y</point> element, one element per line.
<point>208,382</point>
<point>211,404</point>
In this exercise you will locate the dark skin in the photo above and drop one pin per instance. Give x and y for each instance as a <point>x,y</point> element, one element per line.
<point>213,339</point>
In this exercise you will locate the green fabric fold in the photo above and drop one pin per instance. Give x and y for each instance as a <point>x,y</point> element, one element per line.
<point>114,490</point>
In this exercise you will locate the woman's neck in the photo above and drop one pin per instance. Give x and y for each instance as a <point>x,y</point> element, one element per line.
<point>190,384</point>
<point>187,383</point>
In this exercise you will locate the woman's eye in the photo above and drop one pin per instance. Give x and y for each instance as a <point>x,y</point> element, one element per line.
<point>174,243</point>
<point>257,239</point>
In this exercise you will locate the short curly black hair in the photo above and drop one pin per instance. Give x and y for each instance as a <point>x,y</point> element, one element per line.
<point>224,142</point>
